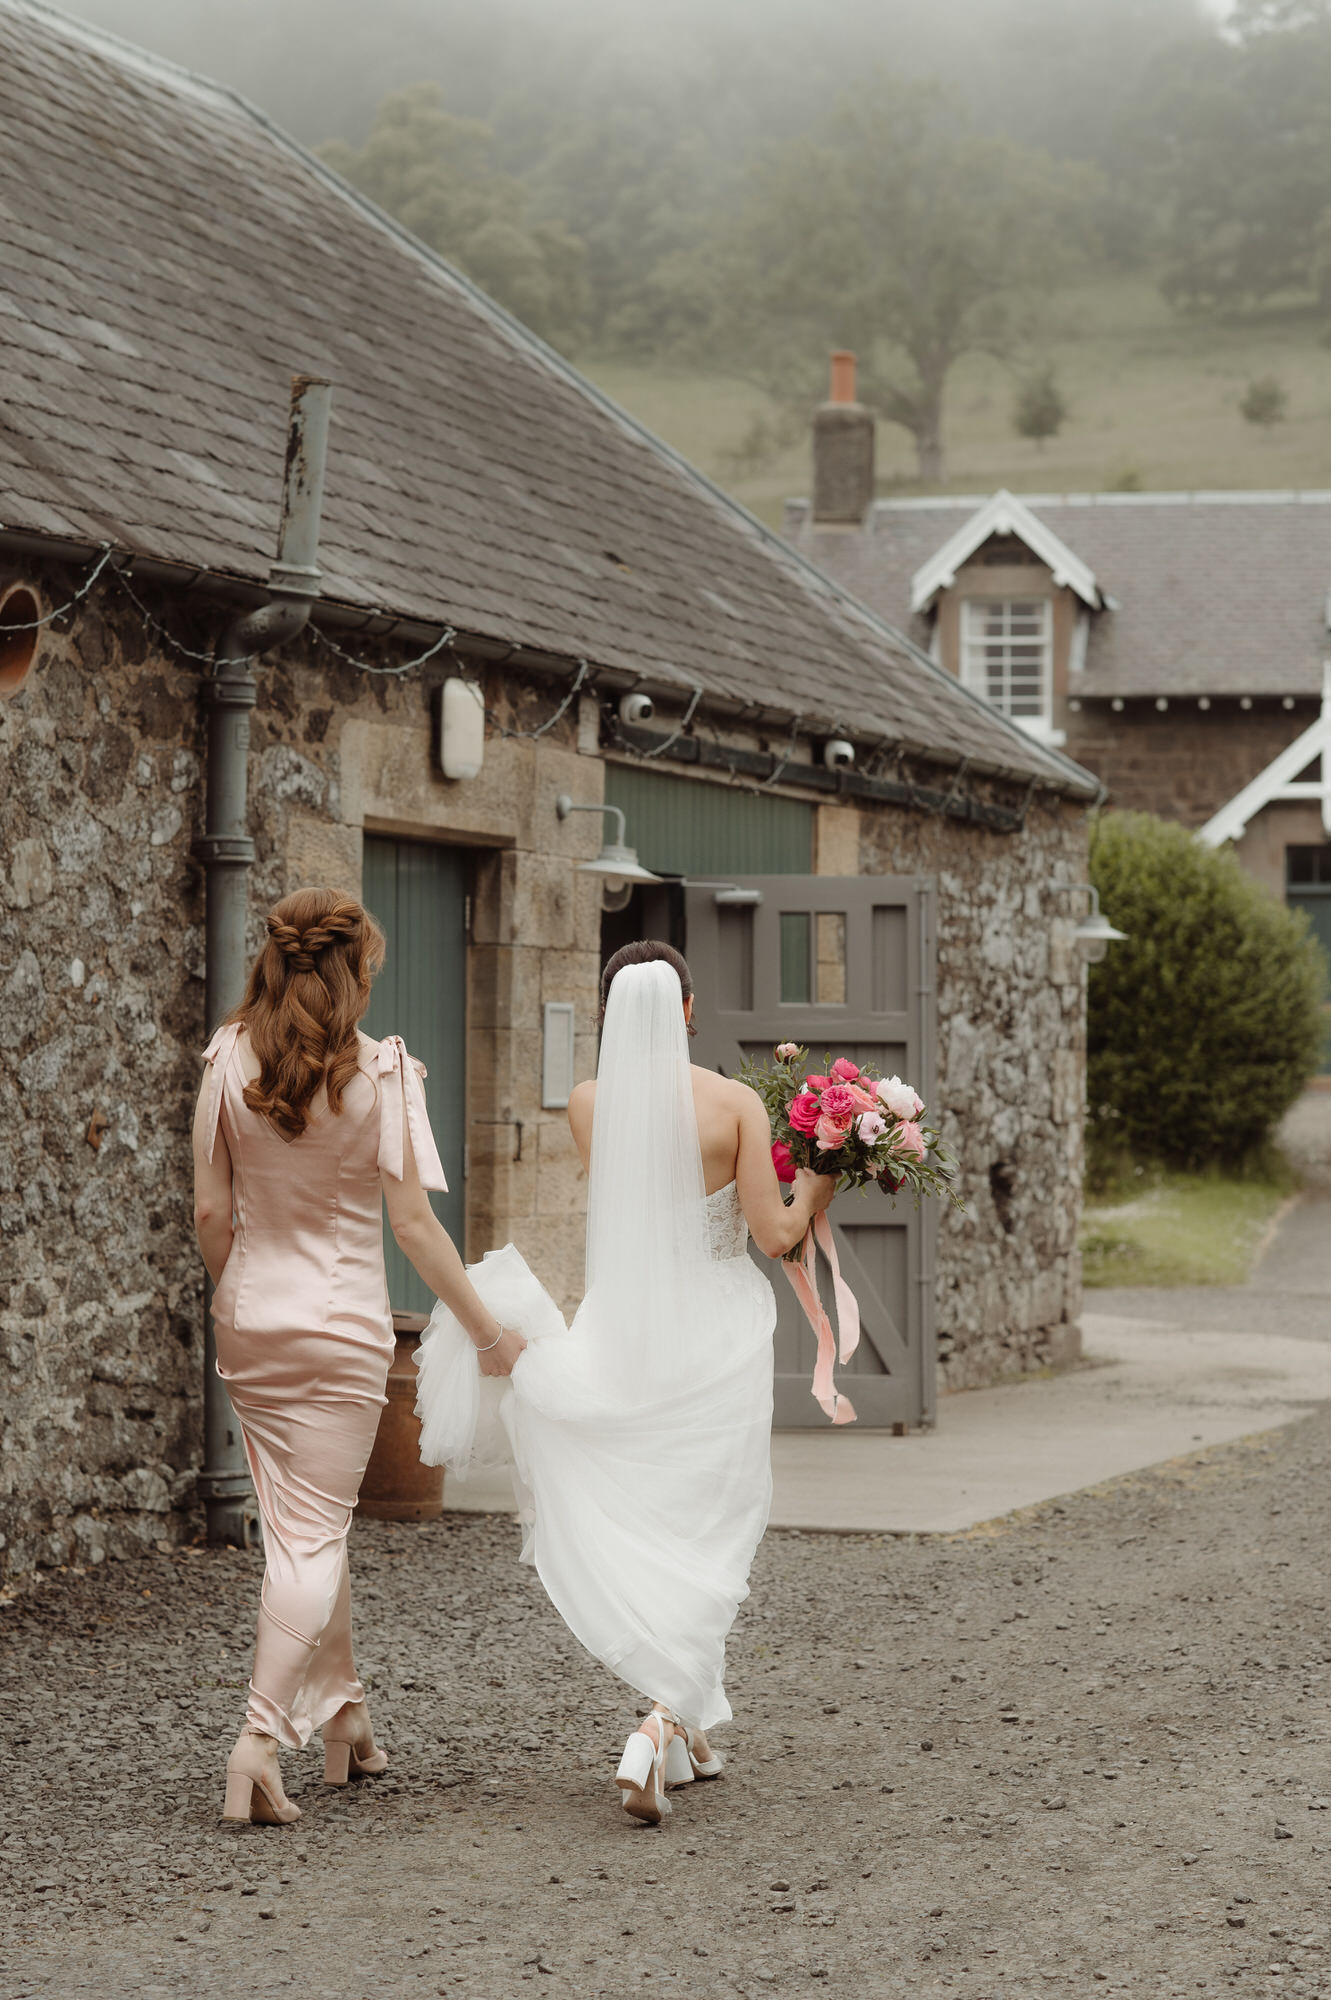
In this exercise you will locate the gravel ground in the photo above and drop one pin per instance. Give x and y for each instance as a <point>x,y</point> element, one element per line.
<point>1082,1751</point>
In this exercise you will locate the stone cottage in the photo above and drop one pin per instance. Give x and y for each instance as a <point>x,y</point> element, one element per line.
<point>1176,644</point>
<point>518,604</point>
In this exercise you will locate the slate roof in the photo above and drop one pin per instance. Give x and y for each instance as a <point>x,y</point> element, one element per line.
<point>1212,593</point>
<point>168,258</point>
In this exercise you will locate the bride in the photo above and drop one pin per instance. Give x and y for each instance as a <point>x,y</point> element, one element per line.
<point>642,1434</point>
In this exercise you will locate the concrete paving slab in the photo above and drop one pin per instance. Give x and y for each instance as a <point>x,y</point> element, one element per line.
<point>1148,1392</point>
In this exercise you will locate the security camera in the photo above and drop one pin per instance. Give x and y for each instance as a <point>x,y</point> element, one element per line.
<point>838,755</point>
<point>636,708</point>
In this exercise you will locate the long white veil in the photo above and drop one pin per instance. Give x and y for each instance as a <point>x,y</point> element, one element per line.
<point>648,1252</point>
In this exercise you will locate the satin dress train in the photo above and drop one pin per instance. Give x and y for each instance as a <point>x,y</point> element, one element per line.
<point>304,1339</point>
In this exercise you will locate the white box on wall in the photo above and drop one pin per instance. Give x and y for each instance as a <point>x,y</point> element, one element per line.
<point>557,1055</point>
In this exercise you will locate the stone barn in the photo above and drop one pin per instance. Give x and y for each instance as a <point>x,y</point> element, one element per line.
<point>515,598</point>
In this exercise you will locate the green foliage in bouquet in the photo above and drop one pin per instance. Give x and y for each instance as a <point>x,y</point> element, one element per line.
<point>1205,1025</point>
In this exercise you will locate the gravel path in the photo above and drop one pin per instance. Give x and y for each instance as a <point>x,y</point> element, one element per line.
<point>1084,1751</point>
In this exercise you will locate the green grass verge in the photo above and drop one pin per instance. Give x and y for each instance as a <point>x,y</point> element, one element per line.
<point>1179,1229</point>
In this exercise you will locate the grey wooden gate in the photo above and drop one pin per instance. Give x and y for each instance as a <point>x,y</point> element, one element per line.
<point>418,891</point>
<point>843,964</point>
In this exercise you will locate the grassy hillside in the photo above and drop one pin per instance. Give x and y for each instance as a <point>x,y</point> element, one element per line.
<point>1154,400</point>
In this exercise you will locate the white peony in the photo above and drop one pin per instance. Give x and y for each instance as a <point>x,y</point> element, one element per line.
<point>899,1098</point>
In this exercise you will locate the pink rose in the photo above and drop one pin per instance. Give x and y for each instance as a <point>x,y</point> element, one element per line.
<point>787,1051</point>
<point>816,1082</point>
<point>838,1104</point>
<point>830,1136</point>
<point>909,1141</point>
<point>845,1071</point>
<point>783,1162</point>
<point>871,1127</point>
<point>864,1099</point>
<point>804,1111</point>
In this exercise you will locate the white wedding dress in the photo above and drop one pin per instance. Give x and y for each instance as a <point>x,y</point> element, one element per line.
<point>640,1435</point>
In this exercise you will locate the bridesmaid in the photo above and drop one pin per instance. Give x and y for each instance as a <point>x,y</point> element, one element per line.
<point>303,1124</point>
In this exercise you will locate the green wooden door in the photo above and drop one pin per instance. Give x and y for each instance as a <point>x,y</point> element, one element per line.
<point>419,894</point>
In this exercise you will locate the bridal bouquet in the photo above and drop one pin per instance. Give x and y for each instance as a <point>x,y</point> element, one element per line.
<point>864,1128</point>
<point>851,1122</point>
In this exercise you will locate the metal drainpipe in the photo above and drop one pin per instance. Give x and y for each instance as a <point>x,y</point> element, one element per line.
<point>227,853</point>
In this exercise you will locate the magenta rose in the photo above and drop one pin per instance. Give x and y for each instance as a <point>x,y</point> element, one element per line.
<point>838,1104</point>
<point>844,1071</point>
<point>909,1141</point>
<point>816,1082</point>
<point>783,1161</point>
<point>804,1111</point>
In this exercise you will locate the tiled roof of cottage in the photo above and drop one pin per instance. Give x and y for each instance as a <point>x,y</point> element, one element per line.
<point>1210,593</point>
<point>168,259</point>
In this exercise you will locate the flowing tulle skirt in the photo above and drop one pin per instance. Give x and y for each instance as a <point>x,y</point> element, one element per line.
<point>643,1501</point>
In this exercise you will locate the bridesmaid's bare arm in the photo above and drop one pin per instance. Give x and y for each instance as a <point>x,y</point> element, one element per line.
<point>424,1241</point>
<point>212,1188</point>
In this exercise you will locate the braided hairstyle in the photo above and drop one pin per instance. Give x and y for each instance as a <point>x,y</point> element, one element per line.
<point>306,993</point>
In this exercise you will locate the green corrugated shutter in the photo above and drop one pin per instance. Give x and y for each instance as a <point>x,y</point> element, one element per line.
<point>418,893</point>
<point>682,827</point>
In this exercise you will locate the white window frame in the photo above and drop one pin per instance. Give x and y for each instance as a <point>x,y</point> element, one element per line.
<point>976,649</point>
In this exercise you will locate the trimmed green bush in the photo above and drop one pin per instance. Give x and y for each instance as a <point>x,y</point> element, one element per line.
<point>1205,1025</point>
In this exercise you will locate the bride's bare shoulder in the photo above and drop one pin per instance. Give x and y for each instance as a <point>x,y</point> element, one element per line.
<point>721,1090</point>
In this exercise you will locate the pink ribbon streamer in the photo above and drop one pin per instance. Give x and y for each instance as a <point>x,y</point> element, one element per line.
<point>394,1061</point>
<point>803,1280</point>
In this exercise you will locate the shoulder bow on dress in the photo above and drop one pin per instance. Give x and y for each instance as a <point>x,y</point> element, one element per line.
<point>394,1062</point>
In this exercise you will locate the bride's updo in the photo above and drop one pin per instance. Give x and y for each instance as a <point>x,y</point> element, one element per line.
<point>647,951</point>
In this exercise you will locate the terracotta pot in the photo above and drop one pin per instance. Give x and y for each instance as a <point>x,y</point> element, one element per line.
<point>396,1486</point>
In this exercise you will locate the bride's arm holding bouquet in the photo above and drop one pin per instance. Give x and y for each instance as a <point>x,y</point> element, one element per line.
<point>775,1225</point>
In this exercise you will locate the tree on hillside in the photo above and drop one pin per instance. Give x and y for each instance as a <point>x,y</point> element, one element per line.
<point>435,173</point>
<point>896,233</point>
<point>1235,135</point>
<point>1040,410</point>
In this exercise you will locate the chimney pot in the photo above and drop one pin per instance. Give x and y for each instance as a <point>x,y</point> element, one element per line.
<point>843,448</point>
<point>842,388</point>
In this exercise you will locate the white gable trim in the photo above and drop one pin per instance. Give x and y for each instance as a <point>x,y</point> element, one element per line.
<point>1003,514</point>
<point>1276,784</point>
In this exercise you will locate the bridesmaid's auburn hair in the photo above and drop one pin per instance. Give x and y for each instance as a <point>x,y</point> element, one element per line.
<point>307,991</point>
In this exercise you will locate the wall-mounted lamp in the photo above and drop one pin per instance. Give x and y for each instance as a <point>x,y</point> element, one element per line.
<point>1094,934</point>
<point>617,863</point>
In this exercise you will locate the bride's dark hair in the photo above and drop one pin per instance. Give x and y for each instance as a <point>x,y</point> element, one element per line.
<point>647,951</point>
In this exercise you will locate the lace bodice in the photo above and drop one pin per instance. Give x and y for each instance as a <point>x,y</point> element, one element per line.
<point>725,1220</point>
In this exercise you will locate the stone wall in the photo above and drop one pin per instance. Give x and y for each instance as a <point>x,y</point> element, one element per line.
<point>1183,763</point>
<point>1011,1072</point>
<point>101,1015</point>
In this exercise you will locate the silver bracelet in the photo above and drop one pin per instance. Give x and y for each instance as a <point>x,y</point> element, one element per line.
<point>493,1343</point>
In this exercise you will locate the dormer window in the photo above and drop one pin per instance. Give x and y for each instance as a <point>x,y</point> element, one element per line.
<point>1007,649</point>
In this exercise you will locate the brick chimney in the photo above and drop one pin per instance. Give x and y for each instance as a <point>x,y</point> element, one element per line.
<point>843,446</point>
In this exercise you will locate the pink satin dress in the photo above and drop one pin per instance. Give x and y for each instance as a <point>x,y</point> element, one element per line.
<point>304,1340</point>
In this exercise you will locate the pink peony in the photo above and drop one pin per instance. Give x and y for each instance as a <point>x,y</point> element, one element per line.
<point>909,1140</point>
<point>830,1135</point>
<point>816,1082</point>
<point>787,1051</point>
<point>838,1104</point>
<point>783,1162</point>
<point>871,1127</point>
<point>804,1112</point>
<point>844,1070</point>
<point>899,1098</point>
